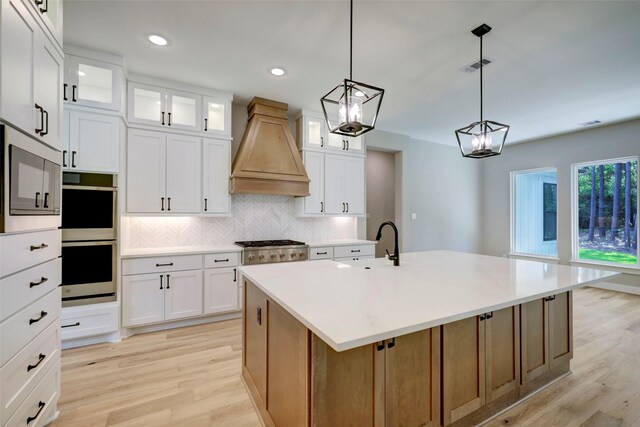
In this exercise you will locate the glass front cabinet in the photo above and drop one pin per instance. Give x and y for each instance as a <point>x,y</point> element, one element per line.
<point>92,83</point>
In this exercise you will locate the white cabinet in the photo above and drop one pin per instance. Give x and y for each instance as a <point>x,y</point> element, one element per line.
<point>183,294</point>
<point>92,83</point>
<point>163,172</point>
<point>50,14</point>
<point>216,169</point>
<point>314,204</point>
<point>217,115</point>
<point>156,297</point>
<point>92,142</point>
<point>31,70</point>
<point>157,106</point>
<point>344,184</point>
<point>220,290</point>
<point>312,133</point>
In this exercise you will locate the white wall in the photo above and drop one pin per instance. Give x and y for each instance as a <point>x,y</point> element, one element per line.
<point>606,142</point>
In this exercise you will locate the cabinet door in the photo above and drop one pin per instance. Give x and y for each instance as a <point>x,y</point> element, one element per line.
<point>314,164</point>
<point>217,116</point>
<point>93,83</point>
<point>354,185</point>
<point>18,36</point>
<point>287,400</point>
<point>355,144</point>
<point>183,294</point>
<point>216,169</point>
<point>412,380</point>
<point>50,11</point>
<point>146,104</point>
<point>142,299</point>
<point>336,142</point>
<point>315,132</point>
<point>94,142</point>
<point>255,337</point>
<point>534,330</point>
<point>560,329</point>
<point>146,171</point>
<point>502,330</point>
<point>183,174</point>
<point>463,376</point>
<point>220,290</point>
<point>183,110</point>
<point>48,90</point>
<point>345,389</point>
<point>334,191</point>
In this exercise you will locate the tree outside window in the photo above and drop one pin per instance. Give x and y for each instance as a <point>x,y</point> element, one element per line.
<point>607,211</point>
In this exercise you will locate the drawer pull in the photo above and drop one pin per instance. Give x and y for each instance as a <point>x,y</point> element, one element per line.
<point>169,264</point>
<point>321,253</point>
<point>38,283</point>
<point>43,314</point>
<point>71,325</point>
<point>221,260</point>
<point>40,408</point>
<point>40,359</point>
<point>355,251</point>
<point>41,246</point>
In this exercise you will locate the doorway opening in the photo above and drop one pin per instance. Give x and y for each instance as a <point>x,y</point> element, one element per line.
<point>382,185</point>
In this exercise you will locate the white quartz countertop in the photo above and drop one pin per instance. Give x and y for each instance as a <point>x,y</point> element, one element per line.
<point>342,242</point>
<point>349,306</point>
<point>178,250</point>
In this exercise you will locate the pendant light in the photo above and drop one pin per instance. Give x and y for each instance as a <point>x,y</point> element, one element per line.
<point>351,108</point>
<point>484,138</point>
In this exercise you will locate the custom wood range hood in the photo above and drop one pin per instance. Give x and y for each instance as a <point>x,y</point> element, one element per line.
<point>267,161</point>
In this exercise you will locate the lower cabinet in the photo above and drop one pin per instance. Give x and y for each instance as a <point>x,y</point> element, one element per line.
<point>547,339</point>
<point>480,362</point>
<point>255,340</point>
<point>156,297</point>
<point>220,290</point>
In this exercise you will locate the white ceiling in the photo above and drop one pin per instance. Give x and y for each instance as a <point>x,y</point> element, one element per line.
<point>557,64</point>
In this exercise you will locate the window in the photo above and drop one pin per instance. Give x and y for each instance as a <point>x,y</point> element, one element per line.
<point>605,211</point>
<point>550,208</point>
<point>534,202</point>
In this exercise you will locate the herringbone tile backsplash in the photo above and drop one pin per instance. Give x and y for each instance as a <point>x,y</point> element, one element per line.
<point>255,217</point>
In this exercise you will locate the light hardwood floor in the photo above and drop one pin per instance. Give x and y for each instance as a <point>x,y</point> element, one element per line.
<point>191,376</point>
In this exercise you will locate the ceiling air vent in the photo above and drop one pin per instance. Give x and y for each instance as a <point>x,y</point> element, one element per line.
<point>591,123</point>
<point>476,65</point>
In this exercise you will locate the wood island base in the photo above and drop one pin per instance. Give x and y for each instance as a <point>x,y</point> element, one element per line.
<point>457,374</point>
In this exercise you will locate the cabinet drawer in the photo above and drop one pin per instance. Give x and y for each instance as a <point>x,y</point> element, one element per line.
<point>86,321</point>
<point>38,406</point>
<point>21,374</point>
<point>21,289</point>
<point>353,251</point>
<point>21,251</point>
<point>160,264</point>
<point>226,259</point>
<point>25,325</point>
<point>321,253</point>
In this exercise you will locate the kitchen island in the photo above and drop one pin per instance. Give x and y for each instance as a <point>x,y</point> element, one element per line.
<point>446,338</point>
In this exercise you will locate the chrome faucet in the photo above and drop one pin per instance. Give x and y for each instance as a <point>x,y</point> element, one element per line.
<point>395,256</point>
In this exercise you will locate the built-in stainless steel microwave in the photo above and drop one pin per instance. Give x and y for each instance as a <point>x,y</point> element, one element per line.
<point>30,193</point>
<point>89,203</point>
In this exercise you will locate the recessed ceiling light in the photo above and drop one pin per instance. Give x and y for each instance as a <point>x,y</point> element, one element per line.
<point>278,71</point>
<point>591,123</point>
<point>158,40</point>
<point>81,73</point>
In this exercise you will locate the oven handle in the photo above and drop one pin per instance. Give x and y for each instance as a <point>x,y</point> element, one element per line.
<point>88,187</point>
<point>90,243</point>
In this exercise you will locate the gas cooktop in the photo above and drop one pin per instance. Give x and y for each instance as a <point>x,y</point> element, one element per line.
<point>268,243</point>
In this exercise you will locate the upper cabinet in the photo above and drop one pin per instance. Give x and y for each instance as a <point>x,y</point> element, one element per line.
<point>312,133</point>
<point>50,14</point>
<point>182,110</point>
<point>31,68</point>
<point>92,142</point>
<point>216,168</point>
<point>93,83</point>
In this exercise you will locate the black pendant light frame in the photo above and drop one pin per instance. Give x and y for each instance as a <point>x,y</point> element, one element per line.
<point>348,88</point>
<point>482,126</point>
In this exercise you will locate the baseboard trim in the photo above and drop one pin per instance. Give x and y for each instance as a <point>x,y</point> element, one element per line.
<point>84,341</point>
<point>127,332</point>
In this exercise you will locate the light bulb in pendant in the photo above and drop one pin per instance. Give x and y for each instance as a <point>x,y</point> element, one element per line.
<point>481,142</point>
<point>350,112</point>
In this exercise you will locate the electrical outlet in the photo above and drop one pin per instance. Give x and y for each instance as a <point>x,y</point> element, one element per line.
<point>414,216</point>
